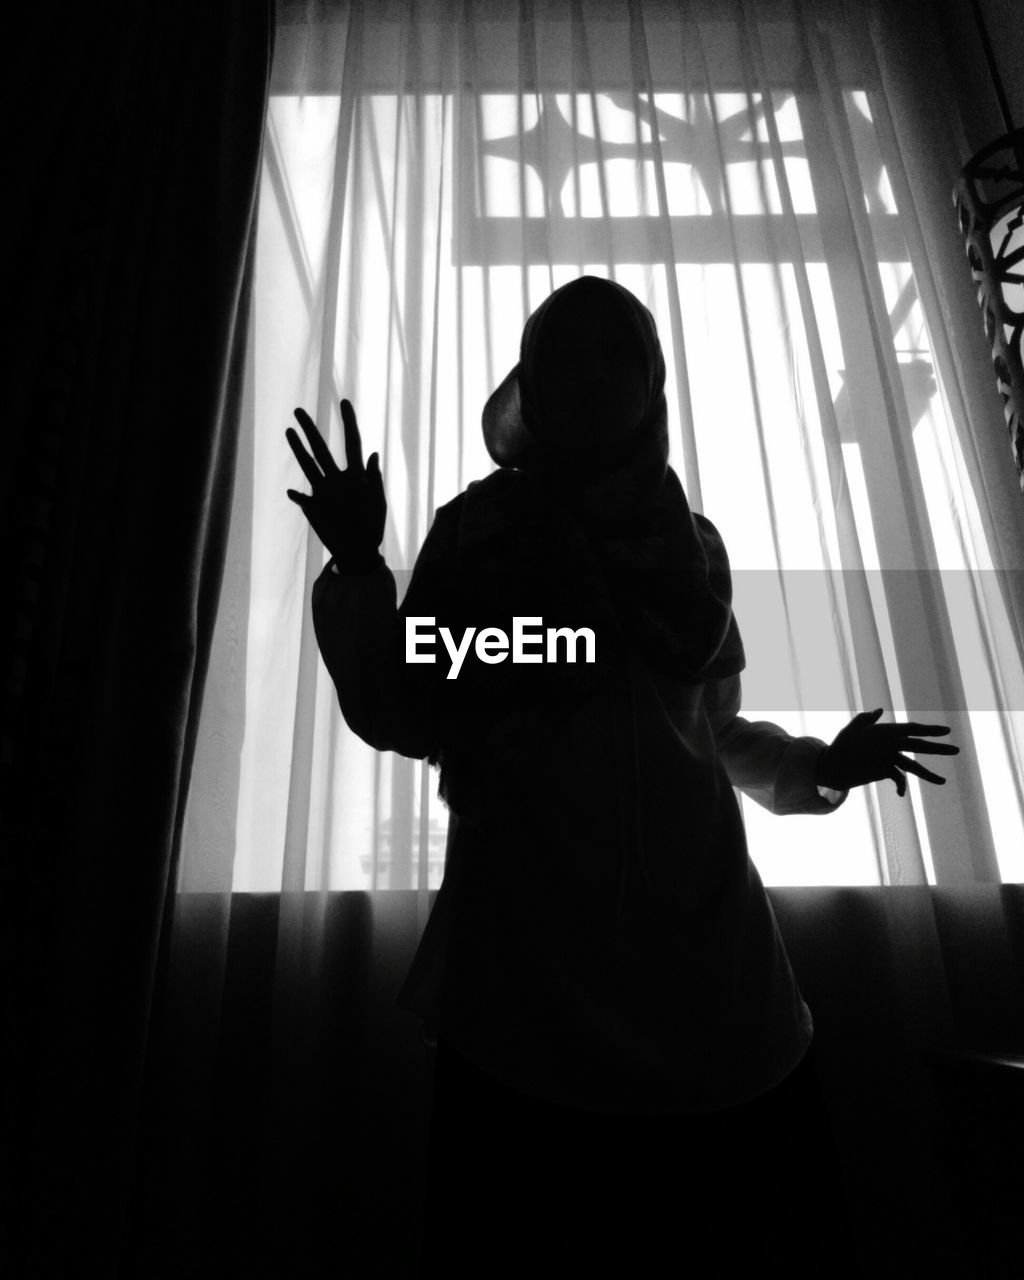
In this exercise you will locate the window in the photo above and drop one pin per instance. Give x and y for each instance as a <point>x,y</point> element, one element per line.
<point>749,190</point>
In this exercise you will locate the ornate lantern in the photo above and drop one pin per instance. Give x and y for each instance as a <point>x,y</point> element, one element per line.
<point>990,202</point>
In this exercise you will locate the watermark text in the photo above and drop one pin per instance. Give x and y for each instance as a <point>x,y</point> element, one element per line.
<point>530,641</point>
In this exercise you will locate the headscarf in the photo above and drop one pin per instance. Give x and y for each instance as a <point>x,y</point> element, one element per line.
<point>607,527</point>
<point>515,430</point>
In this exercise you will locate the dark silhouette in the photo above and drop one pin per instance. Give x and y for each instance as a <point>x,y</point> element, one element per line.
<point>624,1074</point>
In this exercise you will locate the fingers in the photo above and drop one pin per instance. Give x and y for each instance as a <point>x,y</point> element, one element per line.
<point>862,720</point>
<point>309,468</point>
<point>912,766</point>
<point>929,748</point>
<point>904,737</point>
<point>353,443</point>
<point>899,779</point>
<point>907,727</point>
<point>316,441</point>
<point>300,498</point>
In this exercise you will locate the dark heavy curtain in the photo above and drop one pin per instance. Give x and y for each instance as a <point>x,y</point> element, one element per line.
<point>136,150</point>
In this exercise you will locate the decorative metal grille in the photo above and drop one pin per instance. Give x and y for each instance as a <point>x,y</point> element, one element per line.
<point>990,202</point>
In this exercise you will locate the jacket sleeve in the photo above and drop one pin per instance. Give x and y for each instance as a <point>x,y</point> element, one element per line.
<point>360,631</point>
<point>763,760</point>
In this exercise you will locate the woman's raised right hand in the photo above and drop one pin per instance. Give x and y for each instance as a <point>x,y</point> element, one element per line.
<point>346,509</point>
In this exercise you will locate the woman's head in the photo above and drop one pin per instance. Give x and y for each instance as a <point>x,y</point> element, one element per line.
<point>585,371</point>
<point>598,516</point>
<point>589,386</point>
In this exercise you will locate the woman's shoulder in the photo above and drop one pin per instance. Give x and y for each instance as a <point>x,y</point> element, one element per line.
<point>478,501</point>
<point>493,505</point>
<point>497,484</point>
<point>503,481</point>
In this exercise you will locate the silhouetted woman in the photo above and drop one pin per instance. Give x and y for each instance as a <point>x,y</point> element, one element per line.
<point>623,1076</point>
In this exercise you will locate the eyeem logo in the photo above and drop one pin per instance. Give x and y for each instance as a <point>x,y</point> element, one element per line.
<point>493,645</point>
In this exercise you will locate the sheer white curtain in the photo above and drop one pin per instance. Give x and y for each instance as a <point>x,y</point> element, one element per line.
<point>432,171</point>
<point>773,180</point>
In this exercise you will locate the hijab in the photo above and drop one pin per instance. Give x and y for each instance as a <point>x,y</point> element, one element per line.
<point>588,506</point>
